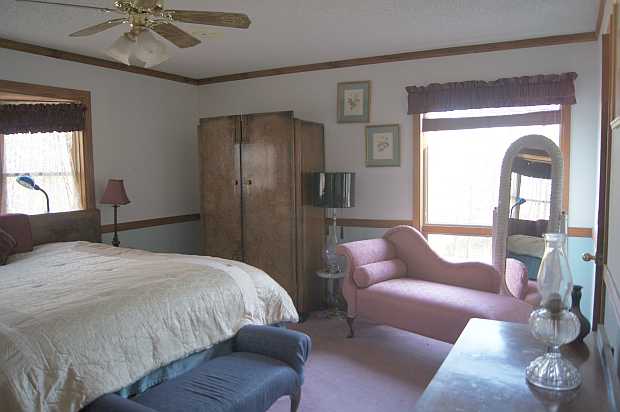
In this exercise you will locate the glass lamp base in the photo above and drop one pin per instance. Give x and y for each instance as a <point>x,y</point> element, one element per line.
<point>551,371</point>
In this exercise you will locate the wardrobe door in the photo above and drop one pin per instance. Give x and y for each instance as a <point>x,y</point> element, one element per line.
<point>309,158</point>
<point>219,147</point>
<point>269,196</point>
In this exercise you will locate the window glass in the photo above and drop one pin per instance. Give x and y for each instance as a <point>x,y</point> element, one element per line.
<point>462,248</point>
<point>48,159</point>
<point>463,170</point>
<point>537,195</point>
<point>461,179</point>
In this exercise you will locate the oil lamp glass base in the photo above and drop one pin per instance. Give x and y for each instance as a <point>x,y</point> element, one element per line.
<point>551,371</point>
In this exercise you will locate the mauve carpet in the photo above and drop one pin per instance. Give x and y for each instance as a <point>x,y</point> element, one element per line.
<point>381,369</point>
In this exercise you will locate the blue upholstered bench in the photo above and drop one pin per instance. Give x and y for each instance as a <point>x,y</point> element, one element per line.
<point>266,364</point>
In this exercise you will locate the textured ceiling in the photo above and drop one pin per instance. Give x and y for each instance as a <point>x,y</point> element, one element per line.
<point>292,32</point>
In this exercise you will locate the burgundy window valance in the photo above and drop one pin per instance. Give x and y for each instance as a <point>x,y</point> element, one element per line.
<point>509,92</point>
<point>41,118</point>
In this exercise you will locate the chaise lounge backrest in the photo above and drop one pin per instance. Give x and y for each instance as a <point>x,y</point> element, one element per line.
<point>423,263</point>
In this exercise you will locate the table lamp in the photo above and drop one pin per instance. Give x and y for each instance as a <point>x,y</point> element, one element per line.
<point>333,191</point>
<point>115,195</point>
<point>28,182</point>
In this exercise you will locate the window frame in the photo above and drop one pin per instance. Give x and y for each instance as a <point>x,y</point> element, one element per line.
<point>419,202</point>
<point>10,90</point>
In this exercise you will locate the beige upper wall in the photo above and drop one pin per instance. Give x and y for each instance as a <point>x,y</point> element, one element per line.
<point>144,131</point>
<point>386,193</point>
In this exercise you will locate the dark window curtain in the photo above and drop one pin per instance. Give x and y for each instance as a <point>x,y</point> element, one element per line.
<point>508,92</point>
<point>41,118</point>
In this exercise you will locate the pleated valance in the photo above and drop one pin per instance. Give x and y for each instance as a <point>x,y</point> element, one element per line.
<point>509,92</point>
<point>41,118</point>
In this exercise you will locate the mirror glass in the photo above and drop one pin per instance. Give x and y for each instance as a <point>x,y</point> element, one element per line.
<point>530,202</point>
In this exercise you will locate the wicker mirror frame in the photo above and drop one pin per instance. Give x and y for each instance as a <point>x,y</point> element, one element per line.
<point>502,211</point>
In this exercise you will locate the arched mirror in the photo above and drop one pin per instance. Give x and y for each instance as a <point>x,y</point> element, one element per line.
<point>529,204</point>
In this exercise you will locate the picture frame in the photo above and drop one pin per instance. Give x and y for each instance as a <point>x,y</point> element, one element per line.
<point>383,145</point>
<point>354,102</point>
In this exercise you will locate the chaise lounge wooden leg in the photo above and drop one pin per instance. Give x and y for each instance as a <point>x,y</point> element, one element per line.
<point>350,323</point>
<point>295,399</point>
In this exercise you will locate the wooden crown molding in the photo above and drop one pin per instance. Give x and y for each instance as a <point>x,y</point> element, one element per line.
<point>388,58</point>
<point>93,61</point>
<point>141,224</point>
<point>416,55</point>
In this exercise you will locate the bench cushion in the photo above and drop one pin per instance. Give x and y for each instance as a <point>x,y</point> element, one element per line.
<point>239,382</point>
<point>434,309</point>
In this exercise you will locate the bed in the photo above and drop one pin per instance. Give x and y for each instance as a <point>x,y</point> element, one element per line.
<point>80,319</point>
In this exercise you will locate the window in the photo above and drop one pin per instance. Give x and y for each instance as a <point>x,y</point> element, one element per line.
<point>45,132</point>
<point>49,159</point>
<point>535,192</point>
<point>461,154</point>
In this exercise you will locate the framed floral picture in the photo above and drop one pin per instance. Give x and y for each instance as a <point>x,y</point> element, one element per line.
<point>383,145</point>
<point>354,102</point>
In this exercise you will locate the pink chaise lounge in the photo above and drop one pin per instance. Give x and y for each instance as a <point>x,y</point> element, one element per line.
<point>400,281</point>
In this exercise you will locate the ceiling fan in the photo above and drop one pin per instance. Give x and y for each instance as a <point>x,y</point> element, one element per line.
<point>139,46</point>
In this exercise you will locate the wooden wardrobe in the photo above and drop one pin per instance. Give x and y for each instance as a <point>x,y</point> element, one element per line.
<point>256,203</point>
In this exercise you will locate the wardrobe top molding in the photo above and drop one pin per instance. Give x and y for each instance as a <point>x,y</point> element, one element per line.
<point>336,64</point>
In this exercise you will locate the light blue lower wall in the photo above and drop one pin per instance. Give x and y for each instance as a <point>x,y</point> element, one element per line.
<point>174,238</point>
<point>583,272</point>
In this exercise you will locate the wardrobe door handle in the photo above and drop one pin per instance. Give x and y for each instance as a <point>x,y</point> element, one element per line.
<point>248,182</point>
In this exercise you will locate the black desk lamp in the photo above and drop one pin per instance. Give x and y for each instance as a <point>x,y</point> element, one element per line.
<point>333,191</point>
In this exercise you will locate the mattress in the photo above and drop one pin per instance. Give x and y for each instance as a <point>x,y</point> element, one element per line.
<point>79,320</point>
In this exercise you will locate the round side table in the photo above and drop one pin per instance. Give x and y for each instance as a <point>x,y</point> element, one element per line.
<point>333,311</point>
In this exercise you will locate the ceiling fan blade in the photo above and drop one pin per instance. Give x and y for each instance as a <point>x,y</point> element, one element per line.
<point>104,9</point>
<point>212,18</point>
<point>98,28</point>
<point>175,35</point>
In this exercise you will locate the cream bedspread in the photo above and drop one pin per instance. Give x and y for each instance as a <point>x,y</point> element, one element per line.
<point>79,320</point>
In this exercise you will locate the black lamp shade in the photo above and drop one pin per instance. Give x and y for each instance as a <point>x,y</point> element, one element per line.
<point>333,190</point>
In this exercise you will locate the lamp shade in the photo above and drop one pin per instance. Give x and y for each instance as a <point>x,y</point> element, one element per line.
<point>114,193</point>
<point>27,182</point>
<point>333,190</point>
<point>122,49</point>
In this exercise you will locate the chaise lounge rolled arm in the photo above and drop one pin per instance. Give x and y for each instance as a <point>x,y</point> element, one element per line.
<point>400,281</point>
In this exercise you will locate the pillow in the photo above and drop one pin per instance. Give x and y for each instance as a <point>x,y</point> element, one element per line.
<point>516,278</point>
<point>18,226</point>
<point>526,245</point>
<point>7,244</point>
<point>367,275</point>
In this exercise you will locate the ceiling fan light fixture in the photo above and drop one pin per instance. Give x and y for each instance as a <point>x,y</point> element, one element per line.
<point>122,49</point>
<point>150,50</point>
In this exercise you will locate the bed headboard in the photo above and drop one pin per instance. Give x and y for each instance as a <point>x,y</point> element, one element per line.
<point>66,226</point>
